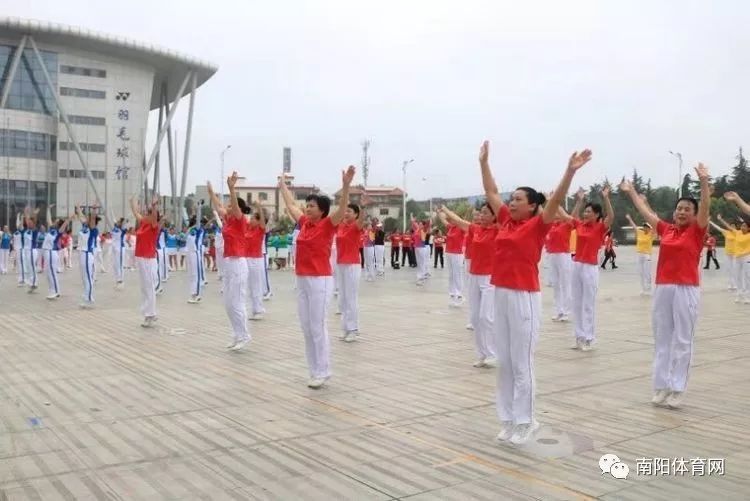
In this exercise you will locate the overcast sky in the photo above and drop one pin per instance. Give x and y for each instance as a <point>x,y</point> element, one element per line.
<point>430,80</point>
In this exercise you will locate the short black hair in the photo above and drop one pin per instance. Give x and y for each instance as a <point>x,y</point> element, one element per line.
<point>597,208</point>
<point>355,208</point>
<point>244,208</point>
<point>489,207</point>
<point>688,199</point>
<point>533,197</point>
<point>322,201</point>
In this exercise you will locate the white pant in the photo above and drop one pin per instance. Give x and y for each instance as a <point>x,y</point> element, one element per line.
<point>644,269</point>
<point>4,254</point>
<point>52,257</point>
<point>731,268</point>
<point>517,321</point>
<point>147,273</point>
<point>370,262</point>
<point>118,260</point>
<point>195,272</point>
<point>334,257</point>
<point>220,261</point>
<point>234,282</point>
<point>455,274</point>
<point>347,277</point>
<point>20,266</point>
<point>585,284</point>
<point>29,262</point>
<point>423,260</point>
<point>674,315</point>
<point>742,276</point>
<point>313,294</point>
<point>256,283</point>
<point>162,264</point>
<point>482,309</point>
<point>465,284</point>
<point>130,257</point>
<point>379,259</point>
<point>99,259</point>
<point>87,275</point>
<point>559,272</point>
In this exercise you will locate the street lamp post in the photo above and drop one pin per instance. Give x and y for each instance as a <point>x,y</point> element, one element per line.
<point>222,183</point>
<point>424,180</point>
<point>403,211</point>
<point>679,158</point>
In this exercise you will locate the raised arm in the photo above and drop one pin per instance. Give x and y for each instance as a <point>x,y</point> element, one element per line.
<point>630,220</point>
<point>447,215</point>
<point>65,225</point>
<point>49,214</point>
<point>737,200</point>
<point>291,206</point>
<point>215,201</point>
<point>704,205</point>
<point>576,161</point>
<point>134,209</point>
<point>234,206</point>
<point>80,216</point>
<point>259,209</point>
<point>346,180</point>
<point>219,223</point>
<point>488,181</point>
<point>640,205</point>
<point>610,218</point>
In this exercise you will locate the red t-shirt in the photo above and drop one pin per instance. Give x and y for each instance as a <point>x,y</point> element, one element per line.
<point>518,249</point>
<point>679,254</point>
<point>395,240</point>
<point>482,249</point>
<point>406,240</point>
<point>711,243</point>
<point>455,240</point>
<point>314,247</point>
<point>438,242</point>
<point>558,238</point>
<point>589,239</point>
<point>254,238</point>
<point>468,241</point>
<point>145,243</point>
<point>234,231</point>
<point>347,243</point>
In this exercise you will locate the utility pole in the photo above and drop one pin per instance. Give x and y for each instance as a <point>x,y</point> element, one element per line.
<point>365,160</point>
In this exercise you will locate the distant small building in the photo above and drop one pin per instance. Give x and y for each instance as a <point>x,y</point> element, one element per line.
<point>380,202</point>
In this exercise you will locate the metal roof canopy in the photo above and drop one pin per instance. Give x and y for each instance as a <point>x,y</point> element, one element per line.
<point>168,65</point>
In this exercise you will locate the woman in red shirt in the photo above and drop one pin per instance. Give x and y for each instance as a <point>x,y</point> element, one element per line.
<point>234,266</point>
<point>475,219</point>
<point>677,292</point>
<point>255,237</point>
<point>348,269</point>
<point>438,242</point>
<point>407,252</point>
<point>515,275</point>
<point>313,269</point>
<point>609,251</point>
<point>557,247</point>
<point>454,243</point>
<point>590,232</point>
<point>480,291</point>
<point>145,258</point>
<point>395,239</point>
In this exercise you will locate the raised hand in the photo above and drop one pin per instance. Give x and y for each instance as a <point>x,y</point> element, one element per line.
<point>209,187</point>
<point>347,176</point>
<point>626,186</point>
<point>578,160</point>
<point>731,196</point>
<point>232,180</point>
<point>580,194</point>
<point>282,179</point>
<point>484,153</point>
<point>702,171</point>
<point>605,191</point>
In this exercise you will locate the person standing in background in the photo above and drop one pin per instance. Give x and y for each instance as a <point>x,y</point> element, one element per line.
<point>644,244</point>
<point>5,240</point>
<point>379,243</point>
<point>118,252</point>
<point>395,239</point>
<point>438,241</point>
<point>454,243</point>
<point>369,250</point>
<point>406,249</point>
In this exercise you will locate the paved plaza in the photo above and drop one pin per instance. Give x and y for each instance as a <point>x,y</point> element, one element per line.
<point>92,406</point>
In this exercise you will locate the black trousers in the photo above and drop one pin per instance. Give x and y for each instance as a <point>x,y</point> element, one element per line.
<point>394,255</point>
<point>439,255</point>
<point>362,257</point>
<point>408,254</point>
<point>709,256</point>
<point>610,254</point>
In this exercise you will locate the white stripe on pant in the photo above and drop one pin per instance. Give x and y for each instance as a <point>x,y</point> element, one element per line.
<point>517,320</point>
<point>4,254</point>
<point>195,262</point>
<point>234,282</point>
<point>313,294</point>
<point>560,271</point>
<point>674,315</point>
<point>482,307</point>
<point>644,269</point>
<point>379,259</point>
<point>347,276</point>
<point>87,275</point>
<point>585,284</point>
<point>455,274</point>
<point>147,273</point>
<point>256,283</point>
<point>52,264</point>
<point>369,262</point>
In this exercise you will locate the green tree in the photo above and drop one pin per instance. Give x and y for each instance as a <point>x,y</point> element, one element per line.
<point>739,179</point>
<point>391,224</point>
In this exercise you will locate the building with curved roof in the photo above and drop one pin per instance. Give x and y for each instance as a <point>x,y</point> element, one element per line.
<point>74,109</point>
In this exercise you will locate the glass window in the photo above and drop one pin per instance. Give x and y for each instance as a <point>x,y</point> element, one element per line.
<point>84,93</point>
<point>86,120</point>
<point>86,72</point>
<point>384,212</point>
<point>28,84</point>
<point>262,196</point>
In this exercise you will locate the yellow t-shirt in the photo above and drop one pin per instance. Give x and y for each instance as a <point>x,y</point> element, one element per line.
<point>730,242</point>
<point>742,243</point>
<point>644,242</point>
<point>573,236</point>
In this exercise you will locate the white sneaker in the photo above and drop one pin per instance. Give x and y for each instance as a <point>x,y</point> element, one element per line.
<point>479,363</point>
<point>316,383</point>
<point>565,318</point>
<point>256,316</point>
<point>148,322</point>
<point>659,397</point>
<point>674,400</point>
<point>557,317</point>
<point>350,337</point>
<point>86,305</point>
<point>586,346</point>
<point>579,344</point>
<point>159,291</point>
<point>194,299</point>
<point>268,296</point>
<point>490,362</point>
<point>420,283</point>
<point>469,327</point>
<point>240,345</point>
<point>506,431</point>
<point>524,432</point>
<point>53,296</point>
<point>232,344</point>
